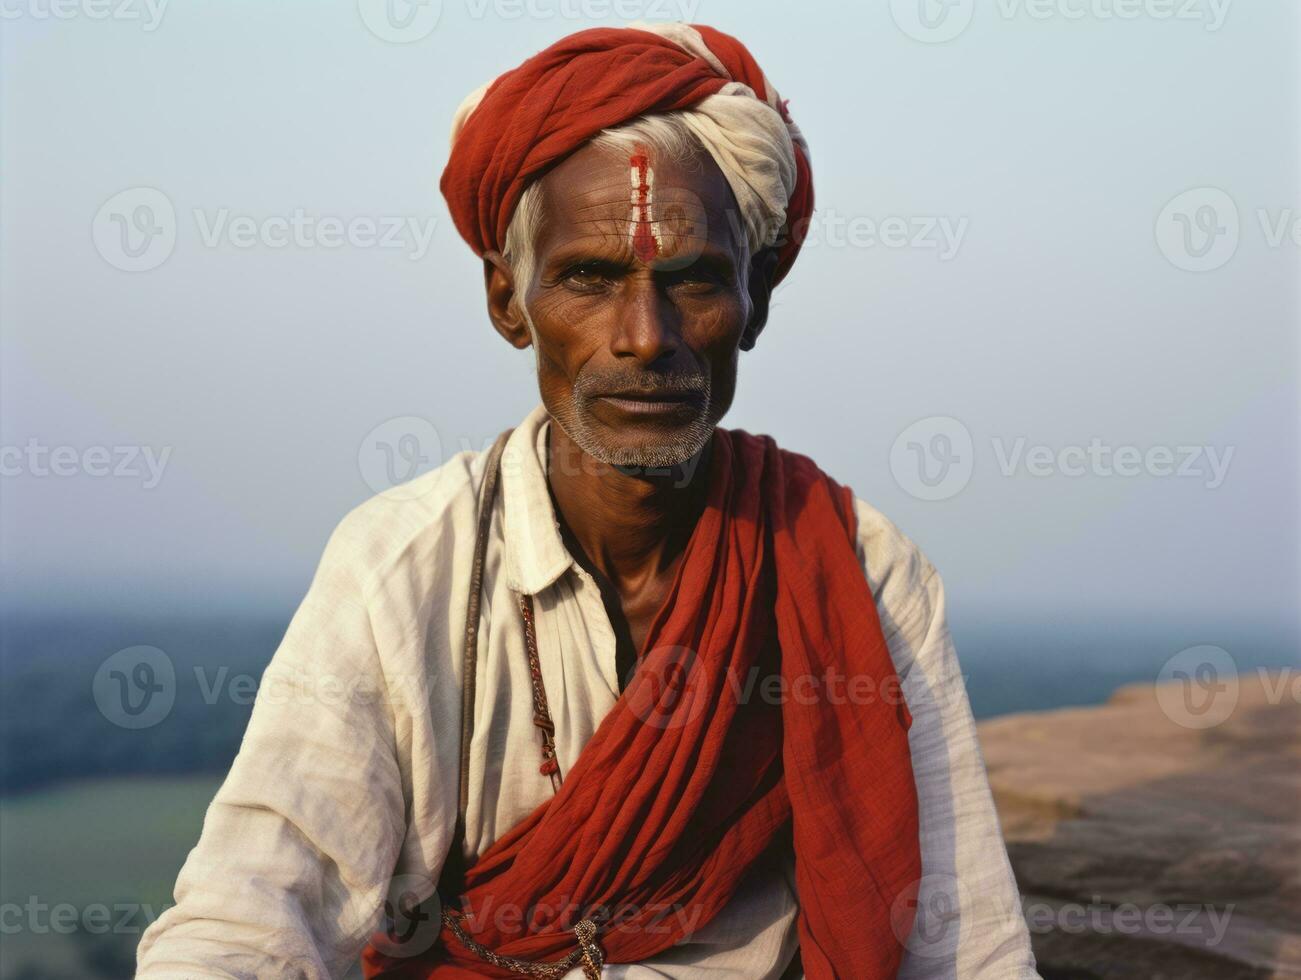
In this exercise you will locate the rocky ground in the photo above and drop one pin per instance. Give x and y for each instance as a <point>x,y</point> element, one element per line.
<point>1157,836</point>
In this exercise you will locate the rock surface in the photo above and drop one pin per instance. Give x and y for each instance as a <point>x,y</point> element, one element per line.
<point>1158,835</point>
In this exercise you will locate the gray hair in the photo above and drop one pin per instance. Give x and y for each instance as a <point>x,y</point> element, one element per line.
<point>669,135</point>
<point>747,134</point>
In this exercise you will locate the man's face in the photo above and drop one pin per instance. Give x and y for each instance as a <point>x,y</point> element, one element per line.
<point>640,300</point>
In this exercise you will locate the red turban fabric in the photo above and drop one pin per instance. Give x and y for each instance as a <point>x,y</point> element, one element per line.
<point>537,114</point>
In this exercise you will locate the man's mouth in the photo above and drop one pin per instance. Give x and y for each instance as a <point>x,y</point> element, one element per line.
<point>638,402</point>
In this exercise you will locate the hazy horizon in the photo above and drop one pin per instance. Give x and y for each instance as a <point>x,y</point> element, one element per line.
<point>1040,299</point>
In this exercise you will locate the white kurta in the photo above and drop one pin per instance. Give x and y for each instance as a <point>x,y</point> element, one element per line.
<point>347,775</point>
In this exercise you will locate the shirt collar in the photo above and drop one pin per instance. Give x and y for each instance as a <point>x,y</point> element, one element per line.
<point>535,553</point>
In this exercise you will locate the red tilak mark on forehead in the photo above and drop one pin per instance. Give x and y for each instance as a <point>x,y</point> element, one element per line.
<point>645,242</point>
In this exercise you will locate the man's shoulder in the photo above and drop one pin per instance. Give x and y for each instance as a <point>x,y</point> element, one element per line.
<point>401,524</point>
<point>905,584</point>
<point>897,569</point>
<point>887,552</point>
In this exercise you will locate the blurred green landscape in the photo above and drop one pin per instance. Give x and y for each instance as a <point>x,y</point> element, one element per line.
<point>113,844</point>
<point>96,818</point>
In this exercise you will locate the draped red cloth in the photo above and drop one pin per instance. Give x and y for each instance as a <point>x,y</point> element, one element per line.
<point>731,737</point>
<point>534,116</point>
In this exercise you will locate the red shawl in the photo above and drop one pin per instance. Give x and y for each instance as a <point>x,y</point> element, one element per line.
<point>701,764</point>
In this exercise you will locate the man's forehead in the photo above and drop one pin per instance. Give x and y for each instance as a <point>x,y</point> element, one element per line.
<point>605,193</point>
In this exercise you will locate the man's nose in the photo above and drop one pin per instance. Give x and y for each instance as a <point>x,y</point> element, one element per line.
<point>648,325</point>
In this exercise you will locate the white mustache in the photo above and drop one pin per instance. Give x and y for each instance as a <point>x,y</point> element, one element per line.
<point>591,386</point>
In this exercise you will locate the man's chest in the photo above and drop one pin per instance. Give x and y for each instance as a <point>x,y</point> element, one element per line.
<point>573,664</point>
<point>631,613</point>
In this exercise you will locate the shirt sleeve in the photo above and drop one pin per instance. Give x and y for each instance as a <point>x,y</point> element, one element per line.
<point>298,847</point>
<point>968,923</point>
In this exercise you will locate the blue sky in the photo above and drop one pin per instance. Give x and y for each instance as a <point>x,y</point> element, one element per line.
<point>1024,243</point>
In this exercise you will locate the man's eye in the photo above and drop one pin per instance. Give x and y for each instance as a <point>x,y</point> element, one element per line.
<point>696,279</point>
<point>586,277</point>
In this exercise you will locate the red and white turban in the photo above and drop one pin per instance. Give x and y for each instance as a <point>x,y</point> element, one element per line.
<point>513,129</point>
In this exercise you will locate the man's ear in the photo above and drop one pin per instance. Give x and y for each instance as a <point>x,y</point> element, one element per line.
<point>504,307</point>
<point>763,270</point>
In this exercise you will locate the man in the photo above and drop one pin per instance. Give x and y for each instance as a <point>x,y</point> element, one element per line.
<point>630,694</point>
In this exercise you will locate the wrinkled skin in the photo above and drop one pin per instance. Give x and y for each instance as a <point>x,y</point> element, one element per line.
<point>663,325</point>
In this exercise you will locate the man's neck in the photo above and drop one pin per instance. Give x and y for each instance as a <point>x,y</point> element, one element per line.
<point>629,525</point>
